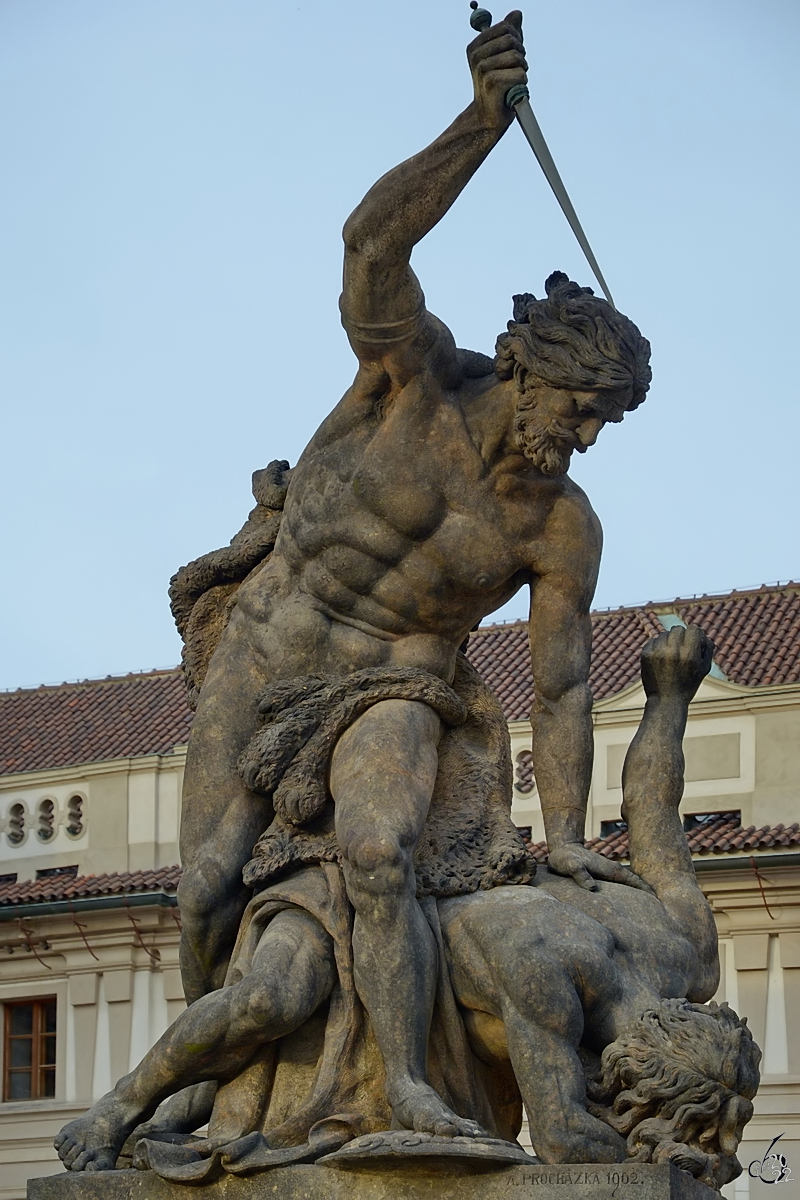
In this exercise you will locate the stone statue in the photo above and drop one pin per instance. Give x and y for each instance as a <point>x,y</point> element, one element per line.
<point>601,990</point>
<point>371,959</point>
<point>435,490</point>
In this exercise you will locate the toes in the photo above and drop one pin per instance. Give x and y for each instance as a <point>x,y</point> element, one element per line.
<point>471,1129</point>
<point>445,1129</point>
<point>79,1163</point>
<point>69,1158</point>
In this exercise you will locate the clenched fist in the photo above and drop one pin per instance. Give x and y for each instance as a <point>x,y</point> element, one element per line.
<point>675,663</point>
<point>497,61</point>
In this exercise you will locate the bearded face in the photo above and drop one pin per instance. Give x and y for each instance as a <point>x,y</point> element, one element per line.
<point>542,441</point>
<point>549,423</point>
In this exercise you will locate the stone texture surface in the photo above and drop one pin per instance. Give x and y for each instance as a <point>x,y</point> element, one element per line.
<point>380,975</point>
<point>590,1182</point>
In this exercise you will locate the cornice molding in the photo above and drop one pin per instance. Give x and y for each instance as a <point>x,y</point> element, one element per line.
<point>55,776</point>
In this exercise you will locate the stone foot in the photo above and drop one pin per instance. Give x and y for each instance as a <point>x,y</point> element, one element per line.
<point>93,1142</point>
<point>417,1106</point>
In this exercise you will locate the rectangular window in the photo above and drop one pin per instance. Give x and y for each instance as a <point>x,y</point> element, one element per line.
<point>611,828</point>
<point>30,1050</point>
<point>707,820</point>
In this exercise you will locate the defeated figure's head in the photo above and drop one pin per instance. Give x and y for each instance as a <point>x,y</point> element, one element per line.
<point>577,363</point>
<point>678,1085</point>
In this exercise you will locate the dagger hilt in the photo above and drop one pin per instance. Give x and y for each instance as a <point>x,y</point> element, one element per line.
<point>481,19</point>
<point>516,94</point>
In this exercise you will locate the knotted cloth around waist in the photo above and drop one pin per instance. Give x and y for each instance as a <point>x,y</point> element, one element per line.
<point>468,841</point>
<point>304,718</point>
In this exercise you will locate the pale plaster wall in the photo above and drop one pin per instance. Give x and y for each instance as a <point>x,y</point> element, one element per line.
<point>113,1001</point>
<point>777,766</point>
<point>131,814</point>
<point>764,786</point>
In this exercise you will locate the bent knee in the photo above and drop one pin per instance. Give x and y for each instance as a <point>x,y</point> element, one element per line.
<point>258,1008</point>
<point>377,865</point>
<point>206,896</point>
<point>286,985</point>
<point>543,992</point>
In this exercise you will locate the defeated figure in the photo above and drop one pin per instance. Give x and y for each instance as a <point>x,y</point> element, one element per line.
<point>603,990</point>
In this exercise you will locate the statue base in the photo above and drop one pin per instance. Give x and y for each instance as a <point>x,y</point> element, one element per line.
<point>411,1182</point>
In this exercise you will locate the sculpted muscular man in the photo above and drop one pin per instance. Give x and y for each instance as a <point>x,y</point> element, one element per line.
<point>435,490</point>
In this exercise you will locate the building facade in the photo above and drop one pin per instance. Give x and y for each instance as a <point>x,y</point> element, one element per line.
<point>90,785</point>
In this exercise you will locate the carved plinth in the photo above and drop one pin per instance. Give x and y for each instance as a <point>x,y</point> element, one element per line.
<point>590,1182</point>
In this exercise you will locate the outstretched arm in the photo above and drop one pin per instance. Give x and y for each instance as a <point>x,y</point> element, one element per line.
<point>382,303</point>
<point>560,634</point>
<point>673,667</point>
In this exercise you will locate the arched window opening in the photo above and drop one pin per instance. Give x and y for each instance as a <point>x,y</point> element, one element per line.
<point>46,822</point>
<point>75,820</point>
<point>16,824</point>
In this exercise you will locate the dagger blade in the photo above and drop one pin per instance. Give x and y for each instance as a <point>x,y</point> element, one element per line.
<point>535,137</point>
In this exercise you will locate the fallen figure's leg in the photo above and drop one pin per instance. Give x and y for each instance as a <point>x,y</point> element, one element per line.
<point>177,1117</point>
<point>293,972</point>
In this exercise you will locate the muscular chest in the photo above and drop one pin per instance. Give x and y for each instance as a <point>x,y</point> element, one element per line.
<point>411,484</point>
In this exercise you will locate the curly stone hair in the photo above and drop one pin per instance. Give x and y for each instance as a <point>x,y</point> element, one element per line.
<point>575,340</point>
<point>678,1085</point>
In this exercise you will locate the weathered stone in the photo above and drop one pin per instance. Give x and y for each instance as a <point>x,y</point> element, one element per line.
<point>387,1151</point>
<point>587,1182</point>
<point>379,973</point>
<point>434,490</point>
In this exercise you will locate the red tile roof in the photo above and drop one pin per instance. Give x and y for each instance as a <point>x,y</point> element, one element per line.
<point>756,634</point>
<point>93,721</point>
<point>723,836</point>
<point>70,887</point>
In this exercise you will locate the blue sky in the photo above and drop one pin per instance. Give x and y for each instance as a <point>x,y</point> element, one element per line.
<point>176,175</point>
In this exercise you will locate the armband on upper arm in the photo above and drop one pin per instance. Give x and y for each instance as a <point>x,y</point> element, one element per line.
<point>383,333</point>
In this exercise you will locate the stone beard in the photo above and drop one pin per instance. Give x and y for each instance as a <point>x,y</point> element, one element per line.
<point>546,443</point>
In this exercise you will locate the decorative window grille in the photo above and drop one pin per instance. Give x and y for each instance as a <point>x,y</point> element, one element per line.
<point>15,831</point>
<point>46,821</point>
<point>610,828</point>
<point>523,775</point>
<point>75,819</point>
<point>704,820</point>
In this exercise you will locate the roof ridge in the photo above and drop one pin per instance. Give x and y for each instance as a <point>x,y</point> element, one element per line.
<point>762,589</point>
<point>55,888</point>
<point>718,839</point>
<point>85,684</point>
<point>517,621</point>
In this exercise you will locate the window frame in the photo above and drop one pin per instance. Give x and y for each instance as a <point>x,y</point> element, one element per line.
<point>27,991</point>
<point>38,1036</point>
